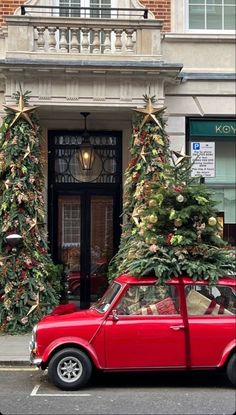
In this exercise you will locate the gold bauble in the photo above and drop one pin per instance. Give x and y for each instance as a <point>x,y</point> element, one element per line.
<point>152,203</point>
<point>155,177</point>
<point>178,222</point>
<point>131,254</point>
<point>147,186</point>
<point>153,218</point>
<point>212,221</point>
<point>153,240</point>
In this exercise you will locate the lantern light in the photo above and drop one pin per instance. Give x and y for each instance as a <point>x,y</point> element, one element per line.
<point>86,152</point>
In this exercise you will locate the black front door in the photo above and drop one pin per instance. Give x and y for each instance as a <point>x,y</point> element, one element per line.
<point>84,211</point>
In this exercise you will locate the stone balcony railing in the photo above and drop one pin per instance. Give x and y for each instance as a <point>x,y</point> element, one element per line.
<point>53,38</point>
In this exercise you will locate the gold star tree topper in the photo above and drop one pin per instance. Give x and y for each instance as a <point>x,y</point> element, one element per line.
<point>150,113</point>
<point>21,111</point>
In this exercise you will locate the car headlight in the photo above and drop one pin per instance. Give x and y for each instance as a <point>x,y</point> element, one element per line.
<point>33,342</point>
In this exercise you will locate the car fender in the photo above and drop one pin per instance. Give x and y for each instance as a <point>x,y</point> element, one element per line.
<point>70,341</point>
<point>228,349</point>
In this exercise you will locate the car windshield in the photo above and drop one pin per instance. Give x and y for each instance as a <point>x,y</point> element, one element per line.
<point>103,304</point>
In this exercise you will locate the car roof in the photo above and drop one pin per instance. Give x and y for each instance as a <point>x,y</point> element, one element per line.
<point>149,280</point>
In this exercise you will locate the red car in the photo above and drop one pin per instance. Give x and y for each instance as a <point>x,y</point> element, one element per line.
<point>141,325</point>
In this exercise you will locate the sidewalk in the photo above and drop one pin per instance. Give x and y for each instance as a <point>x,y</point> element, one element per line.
<point>14,349</point>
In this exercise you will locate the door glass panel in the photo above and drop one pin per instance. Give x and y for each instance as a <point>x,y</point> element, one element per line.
<point>101,243</point>
<point>69,242</point>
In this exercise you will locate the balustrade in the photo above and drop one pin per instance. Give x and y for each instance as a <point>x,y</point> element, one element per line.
<point>66,35</point>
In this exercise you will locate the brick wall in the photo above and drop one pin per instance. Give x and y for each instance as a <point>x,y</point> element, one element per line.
<point>162,11</point>
<point>7,7</point>
<point>160,8</point>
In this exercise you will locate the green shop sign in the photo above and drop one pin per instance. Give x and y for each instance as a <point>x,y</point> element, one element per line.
<point>212,128</point>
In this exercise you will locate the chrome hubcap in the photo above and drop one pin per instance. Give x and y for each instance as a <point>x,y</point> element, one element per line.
<point>69,369</point>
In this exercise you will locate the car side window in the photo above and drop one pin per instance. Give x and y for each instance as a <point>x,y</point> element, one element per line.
<point>149,300</point>
<point>211,300</point>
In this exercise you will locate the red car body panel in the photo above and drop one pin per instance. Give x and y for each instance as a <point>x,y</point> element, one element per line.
<point>141,342</point>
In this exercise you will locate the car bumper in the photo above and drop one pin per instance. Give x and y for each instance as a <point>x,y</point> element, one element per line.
<point>35,360</point>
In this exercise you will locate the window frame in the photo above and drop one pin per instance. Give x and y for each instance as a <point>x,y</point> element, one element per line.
<point>205,30</point>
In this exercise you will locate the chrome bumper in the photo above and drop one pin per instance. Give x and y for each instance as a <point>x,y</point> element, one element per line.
<point>35,360</point>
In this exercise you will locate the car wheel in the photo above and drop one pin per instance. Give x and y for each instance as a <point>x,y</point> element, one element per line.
<point>70,369</point>
<point>231,369</point>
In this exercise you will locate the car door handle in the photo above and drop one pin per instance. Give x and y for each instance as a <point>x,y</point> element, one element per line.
<point>177,327</point>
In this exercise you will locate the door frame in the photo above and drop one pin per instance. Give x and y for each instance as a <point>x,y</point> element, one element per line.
<point>85,190</point>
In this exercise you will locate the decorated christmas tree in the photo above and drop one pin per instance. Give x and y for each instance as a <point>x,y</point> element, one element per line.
<point>29,286</point>
<point>170,225</point>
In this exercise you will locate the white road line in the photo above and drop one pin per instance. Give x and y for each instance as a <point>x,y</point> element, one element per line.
<point>36,388</point>
<point>62,394</point>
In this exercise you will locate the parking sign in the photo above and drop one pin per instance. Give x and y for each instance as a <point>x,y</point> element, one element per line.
<point>203,156</point>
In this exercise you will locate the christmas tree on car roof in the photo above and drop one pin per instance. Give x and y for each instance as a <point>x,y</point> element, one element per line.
<point>170,225</point>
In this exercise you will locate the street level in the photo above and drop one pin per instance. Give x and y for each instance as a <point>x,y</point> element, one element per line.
<point>26,390</point>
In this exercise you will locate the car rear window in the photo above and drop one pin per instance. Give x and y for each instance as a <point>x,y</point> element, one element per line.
<point>210,300</point>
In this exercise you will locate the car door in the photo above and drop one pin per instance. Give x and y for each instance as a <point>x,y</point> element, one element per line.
<point>144,339</point>
<point>211,322</point>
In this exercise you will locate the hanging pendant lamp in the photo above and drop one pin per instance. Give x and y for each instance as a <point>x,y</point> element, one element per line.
<point>86,152</point>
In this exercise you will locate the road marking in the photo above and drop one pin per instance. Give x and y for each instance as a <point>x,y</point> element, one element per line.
<point>18,369</point>
<point>36,388</point>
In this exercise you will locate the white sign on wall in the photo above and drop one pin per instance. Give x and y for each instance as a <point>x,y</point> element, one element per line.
<point>203,156</point>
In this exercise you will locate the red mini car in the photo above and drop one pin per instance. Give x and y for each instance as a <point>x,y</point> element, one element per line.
<point>140,324</point>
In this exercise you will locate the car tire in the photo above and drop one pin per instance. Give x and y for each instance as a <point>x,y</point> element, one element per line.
<point>231,369</point>
<point>70,369</point>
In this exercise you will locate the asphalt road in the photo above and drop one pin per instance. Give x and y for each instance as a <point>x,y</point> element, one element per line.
<point>27,391</point>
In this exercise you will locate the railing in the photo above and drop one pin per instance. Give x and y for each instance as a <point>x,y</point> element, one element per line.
<point>84,12</point>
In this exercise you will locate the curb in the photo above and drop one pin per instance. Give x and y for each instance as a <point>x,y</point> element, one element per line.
<point>6,363</point>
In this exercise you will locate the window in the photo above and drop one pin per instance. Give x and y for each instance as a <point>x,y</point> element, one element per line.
<point>211,14</point>
<point>210,300</point>
<point>76,4</point>
<point>221,132</point>
<point>149,300</point>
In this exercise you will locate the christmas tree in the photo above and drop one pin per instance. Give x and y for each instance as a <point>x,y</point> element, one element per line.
<point>170,223</point>
<point>29,286</point>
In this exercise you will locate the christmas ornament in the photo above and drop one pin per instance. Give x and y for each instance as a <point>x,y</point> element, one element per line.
<point>135,176</point>
<point>153,218</point>
<point>155,176</point>
<point>135,216</point>
<point>180,198</point>
<point>150,112</point>
<point>131,254</point>
<point>142,154</point>
<point>178,222</point>
<point>181,156</point>
<point>152,203</point>
<point>172,214</point>
<point>158,139</point>
<point>153,248</point>
<point>153,240</point>
<point>21,111</point>
<point>212,221</point>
